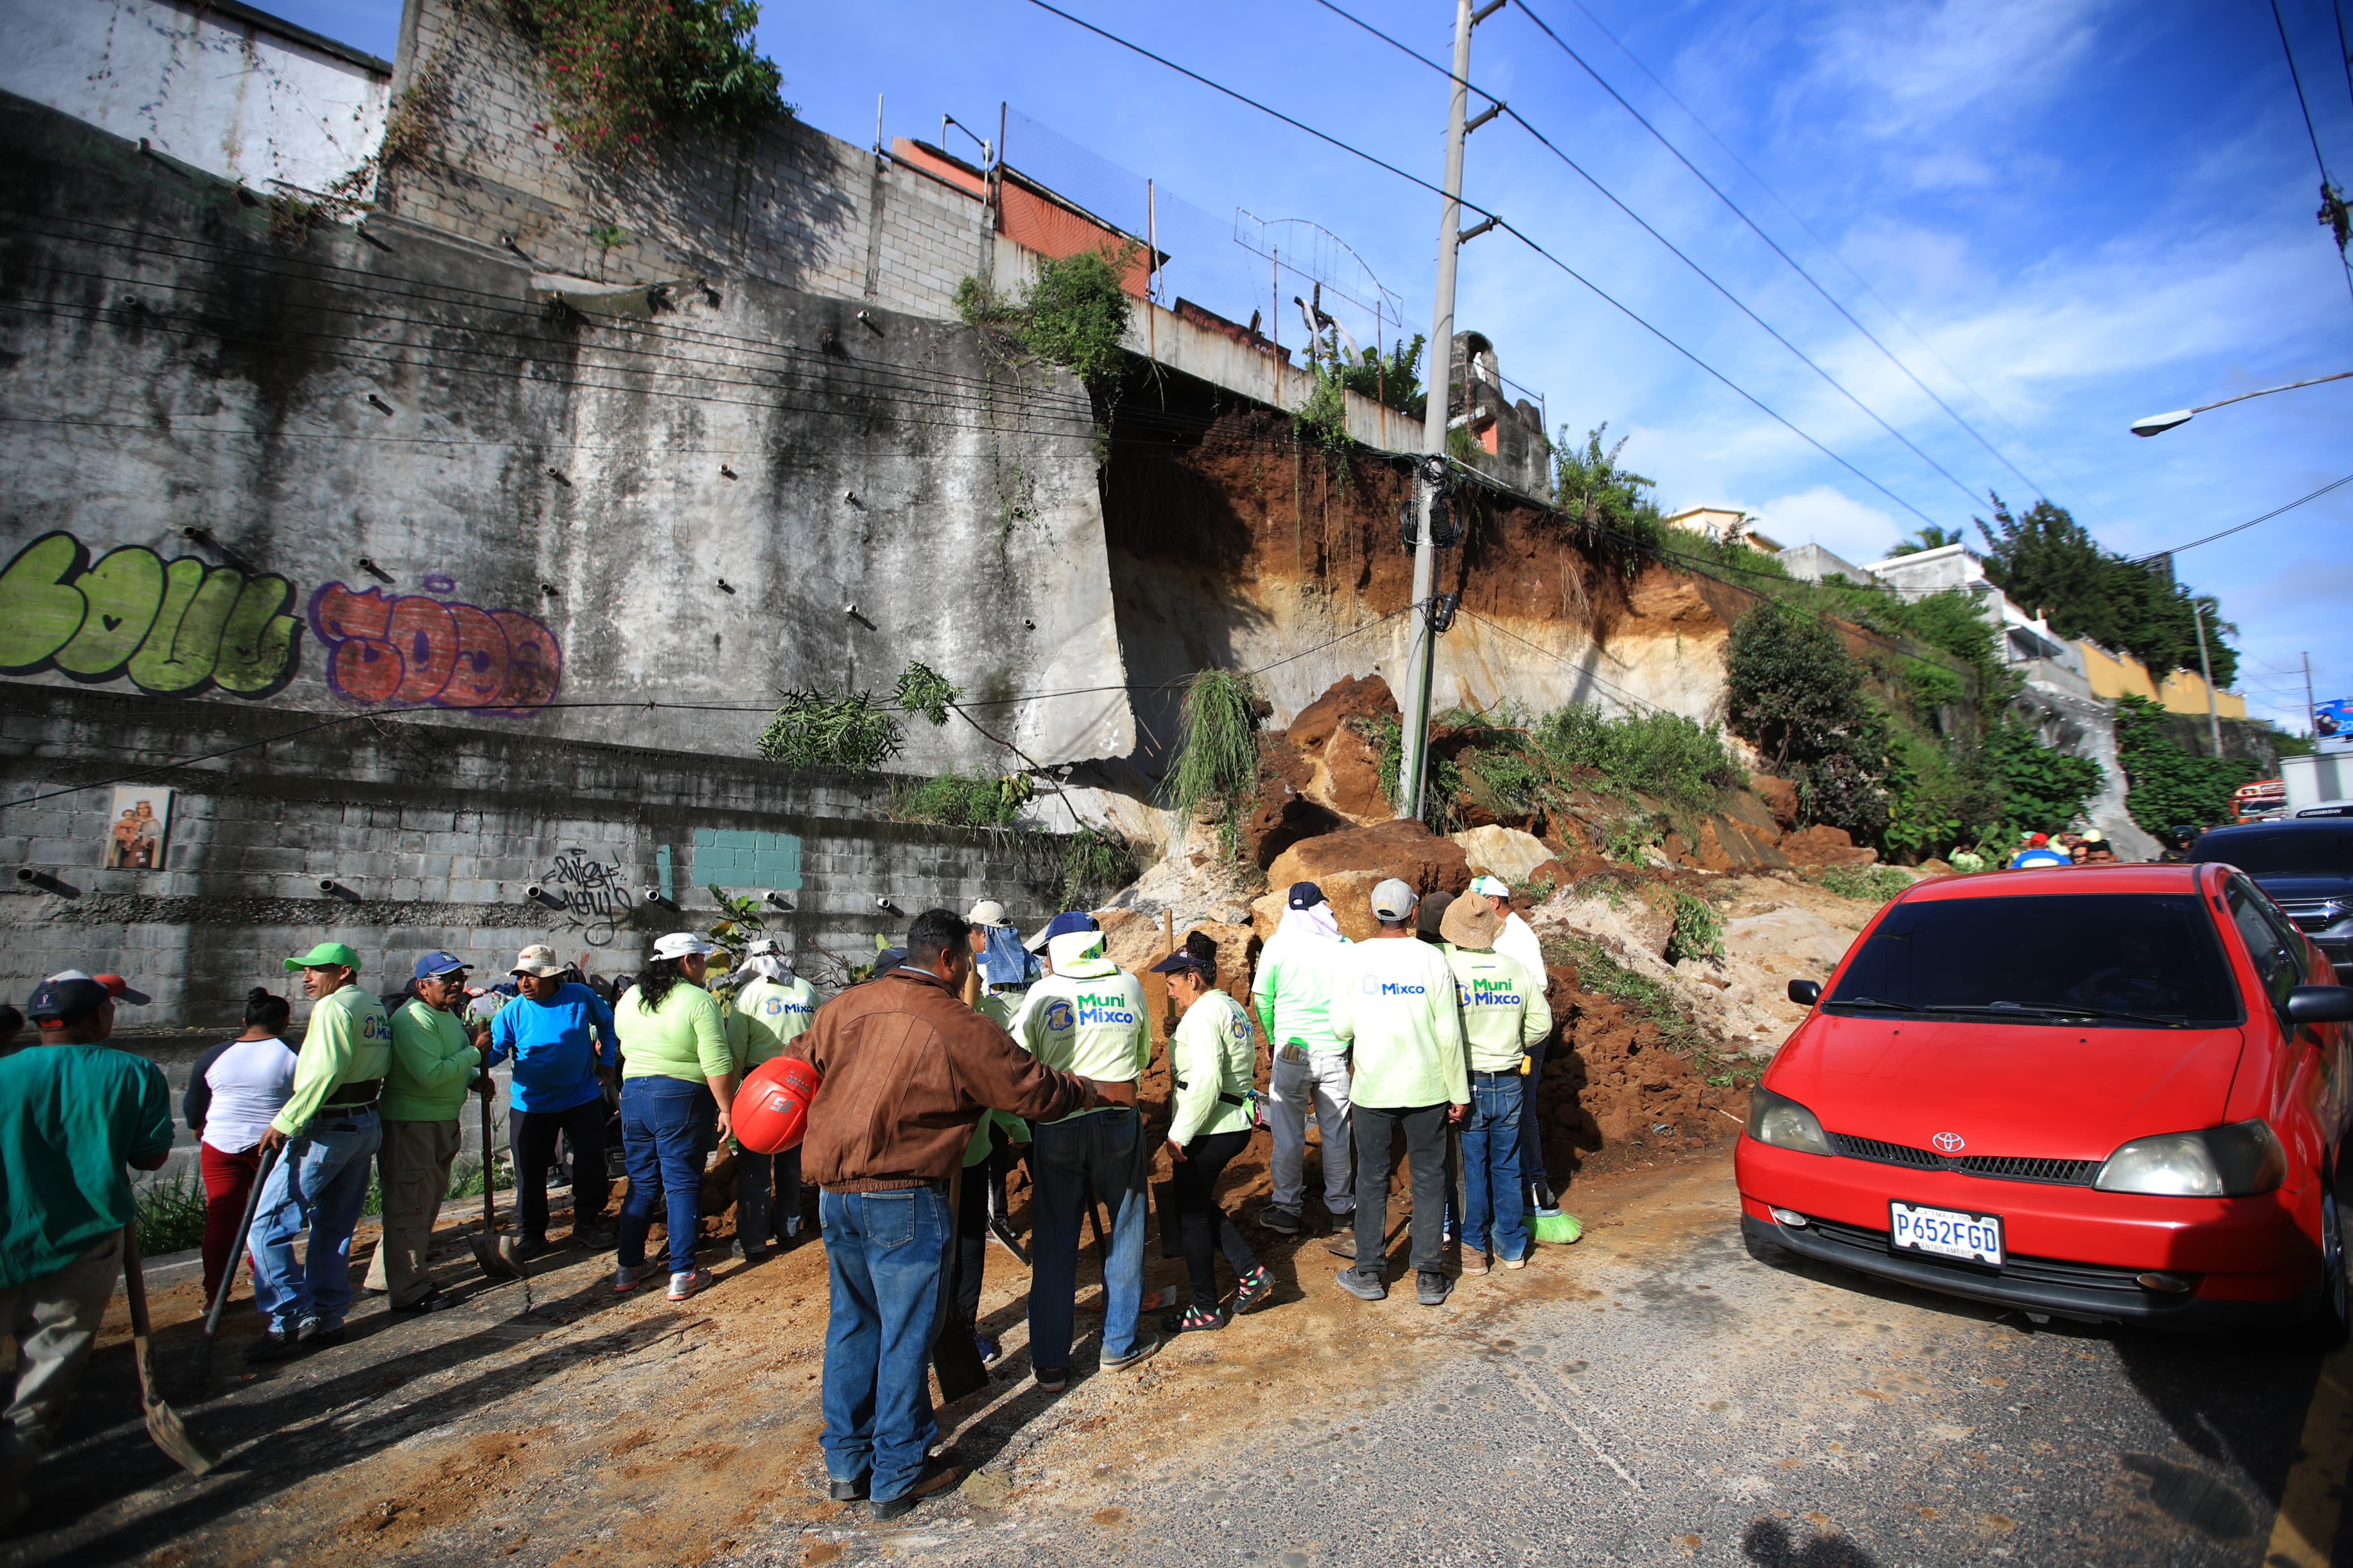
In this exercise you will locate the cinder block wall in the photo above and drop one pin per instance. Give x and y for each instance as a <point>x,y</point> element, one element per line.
<point>434,834</point>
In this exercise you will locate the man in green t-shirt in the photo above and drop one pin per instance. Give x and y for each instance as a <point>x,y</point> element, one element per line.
<point>434,1062</point>
<point>72,1114</point>
<point>327,1136</point>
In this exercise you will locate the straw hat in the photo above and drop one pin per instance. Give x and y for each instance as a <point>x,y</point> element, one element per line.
<point>1472,923</point>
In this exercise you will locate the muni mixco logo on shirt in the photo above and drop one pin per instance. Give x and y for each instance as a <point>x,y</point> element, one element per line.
<point>1057,1017</point>
<point>1093,1009</point>
<point>1484,993</point>
<point>775,1006</point>
<point>1374,985</point>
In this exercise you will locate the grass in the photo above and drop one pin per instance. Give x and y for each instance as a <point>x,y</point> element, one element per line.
<point>1660,755</point>
<point>1597,970</point>
<point>1871,884</point>
<point>1216,756</point>
<point>962,799</point>
<point>171,1211</point>
<point>1698,931</point>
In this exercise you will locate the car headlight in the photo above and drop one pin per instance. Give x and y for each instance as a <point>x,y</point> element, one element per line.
<point>2219,1163</point>
<point>1781,1122</point>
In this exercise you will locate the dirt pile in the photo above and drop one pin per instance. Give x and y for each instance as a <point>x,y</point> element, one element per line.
<point>1348,865</point>
<point>1321,774</point>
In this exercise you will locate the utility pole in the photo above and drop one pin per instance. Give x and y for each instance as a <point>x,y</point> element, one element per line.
<point>2311,711</point>
<point>2206,668</point>
<point>1422,651</point>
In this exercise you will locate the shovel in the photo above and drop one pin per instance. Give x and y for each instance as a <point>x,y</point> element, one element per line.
<point>228,1276</point>
<point>955,1360</point>
<point>163,1423</point>
<point>494,1252</point>
<point>1000,1224</point>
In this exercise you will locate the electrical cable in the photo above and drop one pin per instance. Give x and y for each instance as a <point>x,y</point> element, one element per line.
<point>1807,229</point>
<point>1506,228</point>
<point>2250,522</point>
<point>1795,265</point>
<point>2327,185</point>
<point>1680,254</point>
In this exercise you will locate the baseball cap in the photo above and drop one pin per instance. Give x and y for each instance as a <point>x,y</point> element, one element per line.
<point>683,944</point>
<point>538,961</point>
<point>326,955</point>
<point>1393,901</point>
<point>2039,839</point>
<point>1183,959</point>
<point>987,912</point>
<point>65,1001</point>
<point>440,962</point>
<point>1305,895</point>
<point>1491,886</point>
<point>2092,836</point>
<point>116,986</point>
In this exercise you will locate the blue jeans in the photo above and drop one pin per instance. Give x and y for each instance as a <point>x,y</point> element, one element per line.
<point>1532,1165</point>
<point>886,1254</point>
<point>320,1184</point>
<point>768,1197</point>
<point>1491,1166</point>
<point>667,1127</point>
<point>1105,1147</point>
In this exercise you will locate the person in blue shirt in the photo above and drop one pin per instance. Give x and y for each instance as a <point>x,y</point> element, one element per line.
<point>2039,852</point>
<point>560,1036</point>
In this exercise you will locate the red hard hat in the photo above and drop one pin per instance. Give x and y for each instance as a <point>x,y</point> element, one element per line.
<point>771,1111</point>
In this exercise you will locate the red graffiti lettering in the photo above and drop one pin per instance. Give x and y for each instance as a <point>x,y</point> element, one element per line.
<point>407,649</point>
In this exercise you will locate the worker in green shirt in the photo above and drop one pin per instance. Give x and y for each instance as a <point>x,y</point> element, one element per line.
<point>677,1078</point>
<point>1309,1073</point>
<point>1505,1021</point>
<point>73,1113</point>
<point>1396,1001</point>
<point>1212,1064</point>
<point>434,1062</point>
<point>771,1005</point>
<point>326,1136</point>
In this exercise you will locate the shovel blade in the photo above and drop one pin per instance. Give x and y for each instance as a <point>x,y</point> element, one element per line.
<point>163,1424</point>
<point>497,1257</point>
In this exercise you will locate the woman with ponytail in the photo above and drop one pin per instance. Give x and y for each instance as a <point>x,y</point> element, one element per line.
<point>233,1091</point>
<point>678,1077</point>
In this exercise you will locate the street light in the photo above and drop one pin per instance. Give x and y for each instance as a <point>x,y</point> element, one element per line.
<point>2157,423</point>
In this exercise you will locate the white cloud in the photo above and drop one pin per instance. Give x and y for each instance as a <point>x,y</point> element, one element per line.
<point>1908,69</point>
<point>1831,519</point>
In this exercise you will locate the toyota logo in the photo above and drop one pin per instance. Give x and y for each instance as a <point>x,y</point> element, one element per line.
<point>1949,1142</point>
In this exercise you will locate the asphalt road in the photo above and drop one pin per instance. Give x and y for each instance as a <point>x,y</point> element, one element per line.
<point>1679,1401</point>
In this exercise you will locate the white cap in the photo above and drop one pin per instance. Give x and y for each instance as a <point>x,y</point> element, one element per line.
<point>683,944</point>
<point>987,912</point>
<point>1491,886</point>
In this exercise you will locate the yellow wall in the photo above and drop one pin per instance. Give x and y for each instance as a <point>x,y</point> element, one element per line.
<point>2183,691</point>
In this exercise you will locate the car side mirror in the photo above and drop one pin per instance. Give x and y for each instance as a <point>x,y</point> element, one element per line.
<point>1806,992</point>
<point>2306,1004</point>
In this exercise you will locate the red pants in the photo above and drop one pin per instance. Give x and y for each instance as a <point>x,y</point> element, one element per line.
<point>228,1181</point>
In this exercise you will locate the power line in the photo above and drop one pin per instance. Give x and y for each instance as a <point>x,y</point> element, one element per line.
<point>2327,186</point>
<point>1795,265</point>
<point>1506,228</point>
<point>2250,522</point>
<point>1808,230</point>
<point>1680,254</point>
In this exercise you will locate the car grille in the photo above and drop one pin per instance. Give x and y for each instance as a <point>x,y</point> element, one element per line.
<point>2316,914</point>
<point>2039,1270</point>
<point>1998,1167</point>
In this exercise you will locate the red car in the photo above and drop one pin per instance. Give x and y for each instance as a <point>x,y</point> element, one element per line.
<point>2102,1093</point>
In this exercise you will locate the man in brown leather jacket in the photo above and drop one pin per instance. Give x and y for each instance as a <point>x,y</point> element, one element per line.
<point>908,1069</point>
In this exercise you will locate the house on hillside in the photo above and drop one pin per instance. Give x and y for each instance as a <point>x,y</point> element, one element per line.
<point>1721,525</point>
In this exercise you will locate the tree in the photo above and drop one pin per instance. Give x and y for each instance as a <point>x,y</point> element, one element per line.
<point>1793,692</point>
<point>1930,537</point>
<point>2048,563</point>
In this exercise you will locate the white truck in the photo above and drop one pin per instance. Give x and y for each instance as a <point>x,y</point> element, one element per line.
<point>2322,779</point>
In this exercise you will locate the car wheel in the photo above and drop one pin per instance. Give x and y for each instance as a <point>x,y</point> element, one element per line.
<point>2334,1316</point>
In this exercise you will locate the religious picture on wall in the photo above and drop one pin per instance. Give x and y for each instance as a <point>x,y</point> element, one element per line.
<point>135,837</point>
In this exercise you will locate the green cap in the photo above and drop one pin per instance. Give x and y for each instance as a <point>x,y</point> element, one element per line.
<point>326,955</point>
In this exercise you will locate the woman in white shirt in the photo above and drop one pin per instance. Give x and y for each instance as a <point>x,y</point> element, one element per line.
<point>234,1090</point>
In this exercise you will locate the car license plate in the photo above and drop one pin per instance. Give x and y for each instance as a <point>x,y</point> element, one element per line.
<point>1946,1233</point>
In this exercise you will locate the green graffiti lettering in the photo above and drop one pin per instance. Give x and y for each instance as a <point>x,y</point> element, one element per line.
<point>256,644</point>
<point>40,610</point>
<point>173,628</point>
<point>179,654</point>
<point>123,589</point>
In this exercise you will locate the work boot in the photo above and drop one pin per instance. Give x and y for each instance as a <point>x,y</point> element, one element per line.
<point>1473,1261</point>
<point>1282,1221</point>
<point>1358,1283</point>
<point>848,1491</point>
<point>939,1472</point>
<point>1431,1287</point>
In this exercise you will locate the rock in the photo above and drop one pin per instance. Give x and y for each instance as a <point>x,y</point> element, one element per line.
<point>1404,848</point>
<point>1348,698</point>
<point>1932,867</point>
<point>1726,844</point>
<point>1796,936</point>
<point>1755,817</point>
<point>1634,924</point>
<point>1820,845</point>
<point>1779,795</point>
<point>1347,780</point>
<point>1505,852</point>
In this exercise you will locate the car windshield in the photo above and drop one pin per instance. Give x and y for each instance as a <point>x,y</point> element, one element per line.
<point>2140,960</point>
<point>2315,847</point>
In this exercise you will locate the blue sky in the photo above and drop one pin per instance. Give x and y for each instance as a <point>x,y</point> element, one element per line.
<point>2068,213</point>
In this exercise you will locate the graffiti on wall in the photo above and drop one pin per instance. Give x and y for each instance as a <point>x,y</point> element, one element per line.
<point>175,628</point>
<point>414,650</point>
<point>591,892</point>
